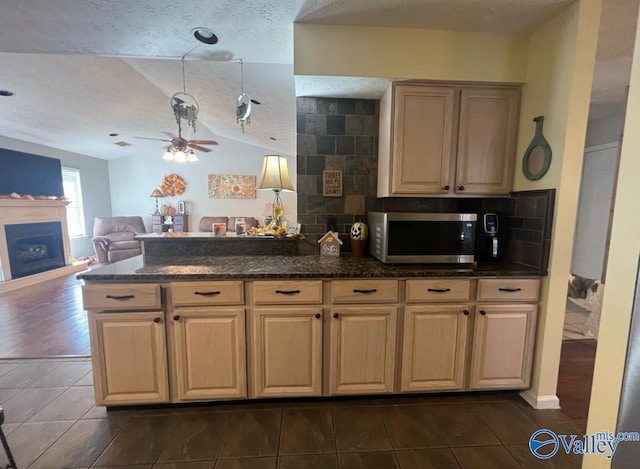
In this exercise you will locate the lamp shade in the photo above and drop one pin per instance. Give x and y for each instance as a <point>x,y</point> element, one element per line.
<point>156,193</point>
<point>275,174</point>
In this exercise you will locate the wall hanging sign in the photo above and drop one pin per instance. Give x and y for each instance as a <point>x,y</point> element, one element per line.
<point>232,186</point>
<point>332,183</point>
<point>537,157</point>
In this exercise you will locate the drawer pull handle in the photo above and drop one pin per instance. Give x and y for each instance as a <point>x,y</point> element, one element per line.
<point>121,297</point>
<point>318,315</point>
<point>336,315</point>
<point>157,320</point>
<point>372,290</point>
<point>465,312</point>
<point>439,290</point>
<point>207,293</point>
<point>482,312</point>
<point>288,292</point>
<point>510,289</point>
<point>176,317</point>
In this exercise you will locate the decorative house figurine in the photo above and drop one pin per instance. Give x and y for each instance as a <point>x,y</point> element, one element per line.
<point>330,244</point>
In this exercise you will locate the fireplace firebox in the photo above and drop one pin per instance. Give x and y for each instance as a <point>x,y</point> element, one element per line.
<point>34,247</point>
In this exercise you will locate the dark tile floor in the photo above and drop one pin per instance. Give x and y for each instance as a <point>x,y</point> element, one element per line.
<point>52,422</point>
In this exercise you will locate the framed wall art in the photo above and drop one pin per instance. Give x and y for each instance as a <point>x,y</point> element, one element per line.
<point>232,186</point>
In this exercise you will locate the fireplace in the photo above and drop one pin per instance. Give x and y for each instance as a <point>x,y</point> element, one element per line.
<point>34,247</point>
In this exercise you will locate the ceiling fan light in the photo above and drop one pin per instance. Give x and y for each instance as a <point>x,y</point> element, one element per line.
<point>180,157</point>
<point>168,155</point>
<point>191,157</point>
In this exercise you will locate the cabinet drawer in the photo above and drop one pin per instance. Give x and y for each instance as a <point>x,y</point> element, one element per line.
<point>447,290</point>
<point>287,292</point>
<point>121,296</point>
<point>505,289</point>
<point>207,293</point>
<point>364,291</point>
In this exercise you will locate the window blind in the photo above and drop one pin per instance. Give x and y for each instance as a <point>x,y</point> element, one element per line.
<point>73,192</point>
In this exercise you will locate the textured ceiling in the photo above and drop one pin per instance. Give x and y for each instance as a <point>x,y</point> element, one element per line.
<point>82,69</point>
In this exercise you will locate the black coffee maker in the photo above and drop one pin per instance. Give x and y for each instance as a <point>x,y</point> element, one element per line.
<point>490,237</point>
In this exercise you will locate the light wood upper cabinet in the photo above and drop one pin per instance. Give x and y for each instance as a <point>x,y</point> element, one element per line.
<point>362,349</point>
<point>415,150</point>
<point>207,353</point>
<point>287,351</point>
<point>128,354</point>
<point>434,347</point>
<point>447,140</point>
<point>502,346</point>
<point>487,135</point>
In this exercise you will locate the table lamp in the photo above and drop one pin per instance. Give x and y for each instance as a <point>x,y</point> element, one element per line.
<point>157,193</point>
<point>275,176</point>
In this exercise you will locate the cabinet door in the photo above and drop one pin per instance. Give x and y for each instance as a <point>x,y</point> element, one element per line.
<point>362,349</point>
<point>502,346</point>
<point>287,351</point>
<point>208,353</point>
<point>129,358</point>
<point>434,347</point>
<point>486,141</point>
<point>422,138</point>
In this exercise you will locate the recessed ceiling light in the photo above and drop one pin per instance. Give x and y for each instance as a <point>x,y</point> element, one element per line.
<point>205,35</point>
<point>6,93</point>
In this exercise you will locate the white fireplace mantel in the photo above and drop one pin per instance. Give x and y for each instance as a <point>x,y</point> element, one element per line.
<point>16,211</point>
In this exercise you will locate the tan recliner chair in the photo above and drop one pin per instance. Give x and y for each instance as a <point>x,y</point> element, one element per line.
<point>113,238</point>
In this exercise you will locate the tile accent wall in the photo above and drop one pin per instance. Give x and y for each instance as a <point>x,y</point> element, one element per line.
<point>337,134</point>
<point>530,227</point>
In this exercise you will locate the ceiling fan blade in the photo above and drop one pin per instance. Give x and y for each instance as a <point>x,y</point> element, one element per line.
<point>199,148</point>
<point>149,138</point>
<point>170,134</point>
<point>204,142</point>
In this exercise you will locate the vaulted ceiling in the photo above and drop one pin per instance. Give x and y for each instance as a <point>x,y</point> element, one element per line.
<point>82,69</point>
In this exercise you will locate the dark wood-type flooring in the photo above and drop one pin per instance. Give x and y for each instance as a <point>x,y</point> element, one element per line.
<point>52,421</point>
<point>44,320</point>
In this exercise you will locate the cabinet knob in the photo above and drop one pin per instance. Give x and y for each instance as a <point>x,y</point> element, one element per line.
<point>482,312</point>
<point>465,312</point>
<point>157,320</point>
<point>336,315</point>
<point>461,188</point>
<point>446,188</point>
<point>176,317</point>
<point>318,315</point>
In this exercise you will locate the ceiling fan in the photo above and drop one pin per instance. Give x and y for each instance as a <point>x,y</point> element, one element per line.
<point>184,106</point>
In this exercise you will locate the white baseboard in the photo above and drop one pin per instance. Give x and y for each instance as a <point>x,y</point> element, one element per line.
<point>540,402</point>
<point>30,280</point>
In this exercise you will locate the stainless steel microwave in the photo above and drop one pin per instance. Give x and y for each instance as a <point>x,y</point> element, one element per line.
<point>403,237</point>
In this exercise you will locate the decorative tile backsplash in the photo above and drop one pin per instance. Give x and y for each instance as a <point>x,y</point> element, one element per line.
<point>342,134</point>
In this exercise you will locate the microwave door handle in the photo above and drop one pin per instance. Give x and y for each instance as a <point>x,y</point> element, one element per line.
<point>494,246</point>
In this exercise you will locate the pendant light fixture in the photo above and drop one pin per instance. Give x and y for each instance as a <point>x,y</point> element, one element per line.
<point>243,103</point>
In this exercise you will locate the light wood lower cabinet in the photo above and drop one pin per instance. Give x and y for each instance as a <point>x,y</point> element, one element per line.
<point>207,353</point>
<point>362,349</point>
<point>502,346</point>
<point>286,351</point>
<point>434,347</point>
<point>128,353</point>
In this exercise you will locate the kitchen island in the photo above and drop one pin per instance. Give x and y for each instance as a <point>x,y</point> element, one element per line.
<point>204,328</point>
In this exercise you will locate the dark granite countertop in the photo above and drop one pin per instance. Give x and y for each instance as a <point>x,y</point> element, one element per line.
<point>253,267</point>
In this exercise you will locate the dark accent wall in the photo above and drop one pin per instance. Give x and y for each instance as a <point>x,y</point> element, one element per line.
<point>338,134</point>
<point>530,227</point>
<point>342,134</point>
<point>28,174</point>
